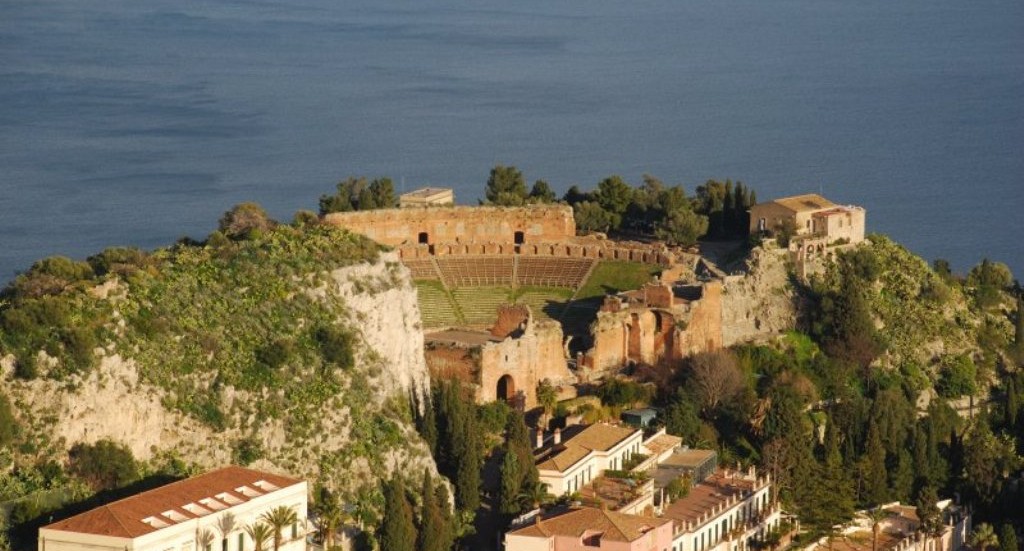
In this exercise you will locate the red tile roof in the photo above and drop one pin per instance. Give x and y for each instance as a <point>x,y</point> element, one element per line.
<point>614,526</point>
<point>124,518</point>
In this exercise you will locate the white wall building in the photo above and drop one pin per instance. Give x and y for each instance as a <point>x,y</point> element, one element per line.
<point>725,512</point>
<point>585,455</point>
<point>204,513</point>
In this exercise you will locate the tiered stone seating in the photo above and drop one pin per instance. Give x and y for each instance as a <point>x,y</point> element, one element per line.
<point>553,271</point>
<point>544,303</point>
<point>469,271</point>
<point>436,306</point>
<point>421,268</point>
<point>479,305</point>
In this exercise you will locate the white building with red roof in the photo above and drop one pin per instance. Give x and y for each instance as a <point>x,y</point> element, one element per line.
<point>208,512</point>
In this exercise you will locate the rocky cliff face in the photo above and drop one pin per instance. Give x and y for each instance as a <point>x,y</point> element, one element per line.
<point>761,303</point>
<point>383,306</point>
<point>359,434</point>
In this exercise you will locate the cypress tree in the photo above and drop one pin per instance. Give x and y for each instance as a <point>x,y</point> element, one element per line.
<point>446,537</point>
<point>397,531</point>
<point>1012,402</point>
<point>511,485</point>
<point>837,498</point>
<point>874,479</point>
<point>1018,333</point>
<point>435,529</point>
<point>1008,538</point>
<point>517,441</point>
<point>728,210</point>
<point>740,203</point>
<point>459,448</point>
<point>901,479</point>
<point>426,425</point>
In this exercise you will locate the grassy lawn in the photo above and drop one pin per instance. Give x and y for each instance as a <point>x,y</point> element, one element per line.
<point>613,276</point>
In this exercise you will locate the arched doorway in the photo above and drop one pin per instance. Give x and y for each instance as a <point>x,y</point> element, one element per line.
<point>506,388</point>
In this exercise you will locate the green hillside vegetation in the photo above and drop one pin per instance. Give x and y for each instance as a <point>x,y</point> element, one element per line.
<point>840,403</point>
<point>911,317</point>
<point>247,314</point>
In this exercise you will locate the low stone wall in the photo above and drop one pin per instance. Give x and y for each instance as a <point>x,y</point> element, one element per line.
<point>647,254</point>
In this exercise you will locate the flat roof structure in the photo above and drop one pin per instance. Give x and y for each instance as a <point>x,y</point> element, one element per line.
<point>428,196</point>
<point>804,203</point>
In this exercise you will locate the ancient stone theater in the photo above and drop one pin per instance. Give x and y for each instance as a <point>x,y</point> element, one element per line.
<point>511,296</point>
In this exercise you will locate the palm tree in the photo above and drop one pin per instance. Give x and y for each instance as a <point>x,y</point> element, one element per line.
<point>260,533</point>
<point>278,518</point>
<point>204,538</point>
<point>535,495</point>
<point>226,525</point>
<point>547,395</point>
<point>984,537</point>
<point>330,518</point>
<point>876,516</point>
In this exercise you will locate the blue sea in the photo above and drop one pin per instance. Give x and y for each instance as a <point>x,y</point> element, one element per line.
<point>127,122</point>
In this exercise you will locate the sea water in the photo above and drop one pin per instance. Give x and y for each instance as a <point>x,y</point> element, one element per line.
<point>126,122</point>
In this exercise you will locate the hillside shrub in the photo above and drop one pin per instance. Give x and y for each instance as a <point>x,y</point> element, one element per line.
<point>104,465</point>
<point>335,346</point>
<point>245,451</point>
<point>957,377</point>
<point>8,425</point>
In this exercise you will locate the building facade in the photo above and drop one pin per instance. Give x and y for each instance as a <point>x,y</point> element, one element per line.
<point>809,215</point>
<point>208,512</point>
<point>727,511</point>
<point>568,466</point>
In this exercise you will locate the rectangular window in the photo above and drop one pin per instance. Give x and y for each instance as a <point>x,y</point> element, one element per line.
<point>224,544</point>
<point>295,530</point>
<point>241,541</point>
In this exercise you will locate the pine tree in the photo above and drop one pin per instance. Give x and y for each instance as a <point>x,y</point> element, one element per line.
<point>397,531</point>
<point>874,479</point>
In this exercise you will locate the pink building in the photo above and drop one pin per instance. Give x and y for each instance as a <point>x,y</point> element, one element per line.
<point>589,529</point>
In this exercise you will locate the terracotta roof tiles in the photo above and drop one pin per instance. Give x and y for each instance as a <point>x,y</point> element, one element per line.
<point>204,494</point>
<point>596,437</point>
<point>614,526</point>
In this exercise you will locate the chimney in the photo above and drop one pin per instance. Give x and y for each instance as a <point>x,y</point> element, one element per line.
<point>557,436</point>
<point>540,439</point>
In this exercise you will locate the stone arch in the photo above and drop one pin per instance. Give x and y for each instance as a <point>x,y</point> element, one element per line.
<point>506,388</point>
